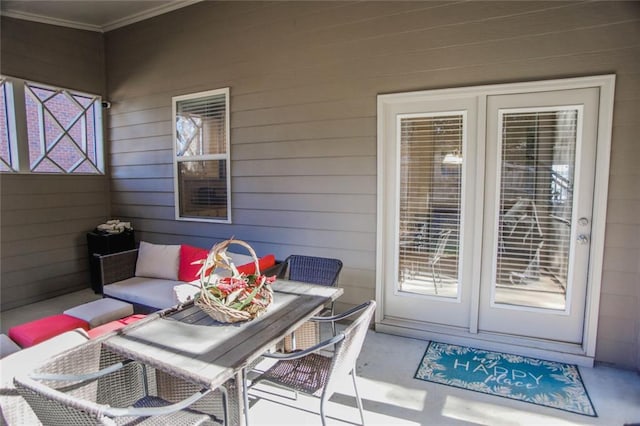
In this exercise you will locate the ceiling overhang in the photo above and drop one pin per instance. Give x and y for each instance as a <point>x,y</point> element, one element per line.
<point>111,24</point>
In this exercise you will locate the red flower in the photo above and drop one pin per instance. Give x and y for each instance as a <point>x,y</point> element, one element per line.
<point>228,285</point>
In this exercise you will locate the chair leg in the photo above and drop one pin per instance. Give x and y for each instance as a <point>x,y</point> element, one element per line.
<point>358,399</point>
<point>322,402</point>
<point>333,323</point>
<point>245,396</point>
<point>225,404</point>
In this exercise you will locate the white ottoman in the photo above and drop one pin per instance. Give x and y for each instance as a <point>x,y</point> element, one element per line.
<point>101,311</point>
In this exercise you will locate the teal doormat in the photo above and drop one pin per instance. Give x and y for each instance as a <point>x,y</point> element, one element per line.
<point>547,383</point>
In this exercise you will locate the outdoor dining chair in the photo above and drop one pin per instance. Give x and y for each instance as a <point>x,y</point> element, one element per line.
<point>317,374</point>
<point>434,261</point>
<point>312,270</point>
<point>124,392</point>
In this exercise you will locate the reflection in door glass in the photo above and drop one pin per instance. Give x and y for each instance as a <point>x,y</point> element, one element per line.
<point>430,194</point>
<point>536,199</point>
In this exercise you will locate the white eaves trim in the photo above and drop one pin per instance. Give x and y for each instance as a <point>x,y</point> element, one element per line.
<point>50,20</point>
<point>137,17</point>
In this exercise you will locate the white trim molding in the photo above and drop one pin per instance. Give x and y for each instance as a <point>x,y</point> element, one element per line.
<point>101,27</point>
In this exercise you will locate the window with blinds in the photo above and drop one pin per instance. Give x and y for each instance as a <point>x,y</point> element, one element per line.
<point>536,199</point>
<point>201,146</point>
<point>431,147</point>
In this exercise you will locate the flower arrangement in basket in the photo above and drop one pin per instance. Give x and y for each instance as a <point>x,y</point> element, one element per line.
<point>235,298</point>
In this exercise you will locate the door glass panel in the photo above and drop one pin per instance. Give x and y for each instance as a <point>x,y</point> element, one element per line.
<point>431,149</point>
<point>537,160</point>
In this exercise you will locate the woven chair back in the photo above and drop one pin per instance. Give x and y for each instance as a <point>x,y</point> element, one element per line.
<point>313,270</point>
<point>347,351</point>
<point>57,402</point>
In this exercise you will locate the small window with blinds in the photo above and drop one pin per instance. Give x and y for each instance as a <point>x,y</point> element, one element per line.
<point>201,146</point>
<point>431,147</point>
<point>537,161</point>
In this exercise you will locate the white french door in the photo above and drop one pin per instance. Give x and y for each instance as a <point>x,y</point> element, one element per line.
<point>487,226</point>
<point>428,279</point>
<point>541,156</point>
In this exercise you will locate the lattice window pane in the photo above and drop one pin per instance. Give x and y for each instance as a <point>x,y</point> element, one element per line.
<point>61,128</point>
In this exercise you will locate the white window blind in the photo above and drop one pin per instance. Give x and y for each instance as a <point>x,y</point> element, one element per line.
<point>430,203</point>
<point>536,199</point>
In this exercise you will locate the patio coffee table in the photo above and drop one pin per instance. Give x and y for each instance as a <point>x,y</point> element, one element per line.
<point>189,344</point>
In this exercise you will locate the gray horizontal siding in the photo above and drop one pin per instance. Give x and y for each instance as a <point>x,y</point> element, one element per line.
<point>58,56</point>
<point>304,77</point>
<point>43,225</point>
<point>44,218</point>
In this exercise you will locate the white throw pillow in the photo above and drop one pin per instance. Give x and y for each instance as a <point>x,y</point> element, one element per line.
<point>158,261</point>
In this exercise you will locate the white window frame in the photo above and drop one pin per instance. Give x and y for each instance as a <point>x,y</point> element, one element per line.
<point>10,108</point>
<point>225,156</point>
<point>19,136</point>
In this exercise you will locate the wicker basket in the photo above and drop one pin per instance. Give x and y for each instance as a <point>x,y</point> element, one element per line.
<point>212,305</point>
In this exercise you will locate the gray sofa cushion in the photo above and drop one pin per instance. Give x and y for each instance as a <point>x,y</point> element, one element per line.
<point>7,346</point>
<point>153,292</point>
<point>101,311</point>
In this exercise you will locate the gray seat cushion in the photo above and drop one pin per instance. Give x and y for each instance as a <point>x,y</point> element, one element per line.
<point>101,311</point>
<point>153,292</point>
<point>7,346</point>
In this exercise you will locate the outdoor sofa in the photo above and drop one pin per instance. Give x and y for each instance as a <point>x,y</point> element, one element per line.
<point>154,277</point>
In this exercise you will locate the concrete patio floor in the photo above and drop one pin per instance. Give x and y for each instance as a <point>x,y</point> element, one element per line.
<point>392,396</point>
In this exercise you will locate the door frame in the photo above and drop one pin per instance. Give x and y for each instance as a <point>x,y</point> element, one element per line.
<point>583,353</point>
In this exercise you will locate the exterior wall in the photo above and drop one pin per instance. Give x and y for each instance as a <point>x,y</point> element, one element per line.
<point>304,78</point>
<point>44,218</point>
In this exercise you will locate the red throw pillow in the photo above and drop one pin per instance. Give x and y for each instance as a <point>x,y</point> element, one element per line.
<point>264,262</point>
<point>189,254</point>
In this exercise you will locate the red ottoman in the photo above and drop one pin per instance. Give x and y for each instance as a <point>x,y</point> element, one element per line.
<point>34,332</point>
<point>114,325</point>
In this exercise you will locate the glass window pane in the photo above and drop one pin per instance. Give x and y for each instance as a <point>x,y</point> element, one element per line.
<point>61,131</point>
<point>202,155</point>
<point>538,152</point>
<point>430,204</point>
<point>202,189</point>
<point>201,126</point>
<point>6,156</point>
